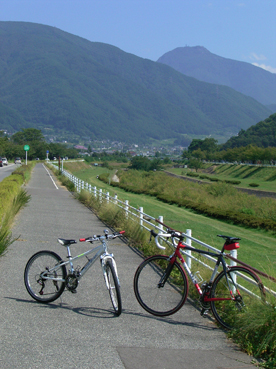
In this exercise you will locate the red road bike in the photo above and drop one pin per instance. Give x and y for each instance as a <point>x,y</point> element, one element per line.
<point>161,282</point>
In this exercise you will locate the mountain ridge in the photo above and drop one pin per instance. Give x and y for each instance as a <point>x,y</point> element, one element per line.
<point>200,63</point>
<point>50,78</point>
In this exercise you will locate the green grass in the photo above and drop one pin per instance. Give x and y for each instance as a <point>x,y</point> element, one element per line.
<point>257,246</point>
<point>256,333</point>
<point>13,198</point>
<point>265,177</point>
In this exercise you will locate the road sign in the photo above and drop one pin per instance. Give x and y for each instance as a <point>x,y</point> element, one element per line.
<point>26,147</point>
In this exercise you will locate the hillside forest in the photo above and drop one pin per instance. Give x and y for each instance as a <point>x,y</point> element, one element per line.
<point>60,83</point>
<point>257,145</point>
<point>14,146</point>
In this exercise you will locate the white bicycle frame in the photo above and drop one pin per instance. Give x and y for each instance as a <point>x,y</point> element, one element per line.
<point>100,251</point>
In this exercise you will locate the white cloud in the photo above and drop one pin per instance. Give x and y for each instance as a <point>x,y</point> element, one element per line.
<point>266,67</point>
<point>254,56</point>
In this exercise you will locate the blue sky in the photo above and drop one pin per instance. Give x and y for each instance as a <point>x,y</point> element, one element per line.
<point>243,30</point>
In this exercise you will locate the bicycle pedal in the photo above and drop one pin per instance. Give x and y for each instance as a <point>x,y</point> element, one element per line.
<point>204,313</point>
<point>73,291</point>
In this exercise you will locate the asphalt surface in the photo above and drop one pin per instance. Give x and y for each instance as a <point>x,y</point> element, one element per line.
<point>80,330</point>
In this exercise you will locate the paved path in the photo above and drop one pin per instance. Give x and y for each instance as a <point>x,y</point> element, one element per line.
<point>80,330</point>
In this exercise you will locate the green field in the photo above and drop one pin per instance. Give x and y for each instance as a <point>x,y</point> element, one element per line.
<point>257,247</point>
<point>265,177</point>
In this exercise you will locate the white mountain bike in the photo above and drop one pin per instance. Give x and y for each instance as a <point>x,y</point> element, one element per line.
<point>46,275</point>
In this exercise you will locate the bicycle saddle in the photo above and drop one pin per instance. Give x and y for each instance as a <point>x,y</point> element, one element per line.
<point>228,238</point>
<point>64,242</point>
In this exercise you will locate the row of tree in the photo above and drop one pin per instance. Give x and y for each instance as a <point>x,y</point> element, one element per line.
<point>14,146</point>
<point>208,149</point>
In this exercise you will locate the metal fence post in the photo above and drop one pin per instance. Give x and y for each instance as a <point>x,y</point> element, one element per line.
<point>160,218</point>
<point>126,208</point>
<point>95,191</point>
<point>115,199</point>
<point>189,243</point>
<point>234,254</point>
<point>141,210</point>
<point>107,197</point>
<point>100,194</point>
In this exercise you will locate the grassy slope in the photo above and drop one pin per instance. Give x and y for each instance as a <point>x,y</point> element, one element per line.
<point>257,247</point>
<point>264,176</point>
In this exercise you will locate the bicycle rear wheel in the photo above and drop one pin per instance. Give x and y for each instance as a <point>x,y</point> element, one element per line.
<point>41,265</point>
<point>113,288</point>
<point>247,290</point>
<point>160,299</point>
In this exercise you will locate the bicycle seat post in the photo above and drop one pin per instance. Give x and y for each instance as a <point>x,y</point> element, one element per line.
<point>70,257</point>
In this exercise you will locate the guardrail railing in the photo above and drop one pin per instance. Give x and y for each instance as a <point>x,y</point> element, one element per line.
<point>145,220</point>
<point>148,222</point>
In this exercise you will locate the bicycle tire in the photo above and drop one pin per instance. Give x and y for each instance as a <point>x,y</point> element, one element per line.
<point>165,300</point>
<point>44,290</point>
<point>113,288</point>
<point>228,312</point>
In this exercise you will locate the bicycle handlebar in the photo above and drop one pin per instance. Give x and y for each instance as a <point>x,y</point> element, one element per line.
<point>171,234</point>
<point>101,237</point>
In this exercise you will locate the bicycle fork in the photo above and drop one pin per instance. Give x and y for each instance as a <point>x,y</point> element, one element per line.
<point>104,259</point>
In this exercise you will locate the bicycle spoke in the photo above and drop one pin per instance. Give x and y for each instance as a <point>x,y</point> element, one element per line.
<point>246,291</point>
<point>154,296</point>
<point>37,272</point>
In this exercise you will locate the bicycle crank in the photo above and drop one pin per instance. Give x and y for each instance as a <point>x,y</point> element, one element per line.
<point>71,282</point>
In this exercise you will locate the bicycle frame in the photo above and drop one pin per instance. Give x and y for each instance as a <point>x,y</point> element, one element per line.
<point>220,260</point>
<point>100,251</point>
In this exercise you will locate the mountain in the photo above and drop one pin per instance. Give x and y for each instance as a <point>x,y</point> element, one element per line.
<point>262,134</point>
<point>201,64</point>
<point>55,81</point>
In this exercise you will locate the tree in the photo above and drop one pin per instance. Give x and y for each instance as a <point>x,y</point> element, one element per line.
<point>195,164</point>
<point>167,160</point>
<point>199,154</point>
<point>28,135</point>
<point>143,163</point>
<point>210,145</point>
<point>194,145</point>
<point>140,163</point>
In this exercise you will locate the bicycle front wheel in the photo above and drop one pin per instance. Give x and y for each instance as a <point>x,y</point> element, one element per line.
<point>44,281</point>
<point>246,289</point>
<point>113,288</point>
<point>161,289</point>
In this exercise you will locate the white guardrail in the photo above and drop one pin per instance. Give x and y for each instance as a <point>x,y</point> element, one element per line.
<point>145,220</point>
